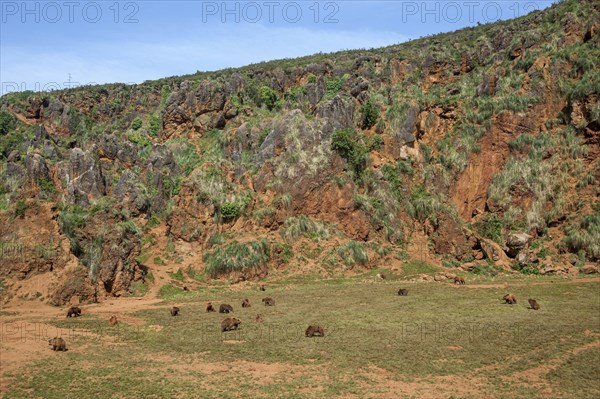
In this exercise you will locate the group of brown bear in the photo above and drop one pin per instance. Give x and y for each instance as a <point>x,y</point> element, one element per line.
<point>233,323</point>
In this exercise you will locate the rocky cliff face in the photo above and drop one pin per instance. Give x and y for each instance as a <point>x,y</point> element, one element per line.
<point>484,140</point>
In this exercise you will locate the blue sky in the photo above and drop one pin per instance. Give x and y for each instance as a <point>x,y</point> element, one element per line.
<point>47,44</point>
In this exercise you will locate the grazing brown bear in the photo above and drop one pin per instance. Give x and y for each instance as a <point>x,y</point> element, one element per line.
<point>268,301</point>
<point>246,303</point>
<point>314,331</point>
<point>259,318</point>
<point>113,320</point>
<point>58,344</point>
<point>230,323</point>
<point>403,292</point>
<point>74,311</point>
<point>209,308</point>
<point>174,311</point>
<point>262,288</point>
<point>381,276</point>
<point>185,288</point>
<point>510,299</point>
<point>225,308</point>
<point>533,304</point>
<point>459,280</point>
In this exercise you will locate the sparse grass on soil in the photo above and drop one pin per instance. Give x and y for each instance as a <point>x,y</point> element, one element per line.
<point>440,341</point>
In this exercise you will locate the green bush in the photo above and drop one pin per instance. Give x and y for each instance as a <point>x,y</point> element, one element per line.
<point>47,186</point>
<point>349,144</point>
<point>154,125</point>
<point>230,210</point>
<point>138,138</point>
<point>237,256</point>
<point>491,227</point>
<point>391,175</point>
<point>136,124</point>
<point>20,208</point>
<point>7,122</point>
<point>376,143</point>
<point>268,97</point>
<point>369,114</point>
<point>334,85</point>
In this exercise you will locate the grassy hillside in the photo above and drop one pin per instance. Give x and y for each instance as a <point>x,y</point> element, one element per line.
<point>475,150</point>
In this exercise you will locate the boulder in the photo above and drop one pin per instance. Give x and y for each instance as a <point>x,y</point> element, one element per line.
<point>131,193</point>
<point>36,168</point>
<point>589,268</point>
<point>516,242</point>
<point>338,112</point>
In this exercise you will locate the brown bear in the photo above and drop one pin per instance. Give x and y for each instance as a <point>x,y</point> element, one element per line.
<point>459,280</point>
<point>510,299</point>
<point>209,308</point>
<point>225,308</point>
<point>262,288</point>
<point>113,320</point>
<point>74,311</point>
<point>174,311</point>
<point>268,301</point>
<point>246,303</point>
<point>58,344</point>
<point>533,304</point>
<point>259,318</point>
<point>314,331</point>
<point>403,292</point>
<point>230,323</point>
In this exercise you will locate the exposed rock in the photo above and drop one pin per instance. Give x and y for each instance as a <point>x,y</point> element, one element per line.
<point>449,239</point>
<point>360,87</point>
<point>36,168</point>
<point>127,152</point>
<point>185,105</point>
<point>494,252</point>
<point>81,177</point>
<point>131,193</point>
<point>14,156</point>
<point>516,242</point>
<point>589,268</point>
<point>338,112</point>
<point>315,91</point>
<point>13,177</point>
<point>407,128</point>
<point>162,157</point>
<point>527,257</point>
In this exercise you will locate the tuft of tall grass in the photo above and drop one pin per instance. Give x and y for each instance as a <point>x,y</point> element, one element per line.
<point>236,256</point>
<point>585,236</point>
<point>353,253</point>
<point>303,226</point>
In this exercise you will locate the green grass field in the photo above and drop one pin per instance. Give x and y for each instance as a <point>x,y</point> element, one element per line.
<point>440,341</point>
